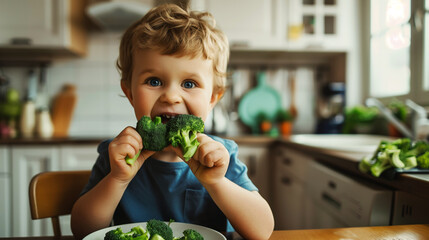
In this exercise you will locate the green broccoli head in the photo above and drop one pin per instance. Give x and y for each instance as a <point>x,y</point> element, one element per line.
<point>381,164</point>
<point>182,131</point>
<point>423,160</point>
<point>191,234</point>
<point>418,148</point>
<point>114,234</point>
<point>152,133</point>
<point>157,227</point>
<point>136,233</point>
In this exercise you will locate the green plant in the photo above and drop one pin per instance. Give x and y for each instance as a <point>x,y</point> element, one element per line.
<point>283,116</point>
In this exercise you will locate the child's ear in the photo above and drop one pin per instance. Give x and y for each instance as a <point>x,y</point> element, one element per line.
<point>127,92</point>
<point>216,96</point>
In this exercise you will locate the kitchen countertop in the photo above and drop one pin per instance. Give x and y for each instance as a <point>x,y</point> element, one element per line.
<point>348,163</point>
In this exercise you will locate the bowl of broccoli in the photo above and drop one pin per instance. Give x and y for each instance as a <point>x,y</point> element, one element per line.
<point>156,230</point>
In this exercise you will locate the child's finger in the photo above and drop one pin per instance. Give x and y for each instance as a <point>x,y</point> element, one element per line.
<point>130,131</point>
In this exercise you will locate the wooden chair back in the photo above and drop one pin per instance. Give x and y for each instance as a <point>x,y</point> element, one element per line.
<point>53,194</point>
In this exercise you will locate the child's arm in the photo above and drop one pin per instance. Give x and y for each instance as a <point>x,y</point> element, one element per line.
<point>94,210</point>
<point>248,212</point>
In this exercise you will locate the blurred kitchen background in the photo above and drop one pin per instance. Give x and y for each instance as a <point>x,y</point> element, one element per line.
<point>335,54</point>
<point>312,63</point>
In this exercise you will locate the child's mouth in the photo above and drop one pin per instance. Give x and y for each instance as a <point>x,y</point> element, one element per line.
<point>165,118</point>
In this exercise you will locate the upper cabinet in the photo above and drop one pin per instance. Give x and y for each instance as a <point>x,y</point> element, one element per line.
<point>42,28</point>
<point>247,23</point>
<point>284,24</point>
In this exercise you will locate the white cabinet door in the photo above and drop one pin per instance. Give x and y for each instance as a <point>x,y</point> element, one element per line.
<point>255,158</point>
<point>290,176</point>
<point>289,202</point>
<point>80,157</point>
<point>247,23</point>
<point>41,21</point>
<point>5,196</point>
<point>28,161</point>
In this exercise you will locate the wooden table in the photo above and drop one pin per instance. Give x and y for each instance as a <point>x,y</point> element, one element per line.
<point>399,232</point>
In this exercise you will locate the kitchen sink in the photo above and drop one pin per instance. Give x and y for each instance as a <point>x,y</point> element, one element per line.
<point>341,143</point>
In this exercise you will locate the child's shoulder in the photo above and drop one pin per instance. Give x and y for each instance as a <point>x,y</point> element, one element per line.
<point>104,145</point>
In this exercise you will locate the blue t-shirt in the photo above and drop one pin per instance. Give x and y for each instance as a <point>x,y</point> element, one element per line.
<point>169,190</point>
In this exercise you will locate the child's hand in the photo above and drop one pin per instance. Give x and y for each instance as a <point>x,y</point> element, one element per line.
<point>210,162</point>
<point>128,142</point>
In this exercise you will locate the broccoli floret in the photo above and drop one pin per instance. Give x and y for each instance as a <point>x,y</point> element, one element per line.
<point>191,234</point>
<point>394,158</point>
<point>410,162</point>
<point>418,148</point>
<point>153,135</point>
<point>136,233</point>
<point>401,153</point>
<point>157,227</point>
<point>365,164</point>
<point>182,131</point>
<point>423,160</point>
<point>383,163</point>
<point>114,234</point>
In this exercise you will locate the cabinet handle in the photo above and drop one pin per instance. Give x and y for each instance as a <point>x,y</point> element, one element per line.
<point>286,181</point>
<point>21,41</point>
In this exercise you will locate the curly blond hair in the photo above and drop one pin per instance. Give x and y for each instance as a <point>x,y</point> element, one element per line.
<point>171,30</point>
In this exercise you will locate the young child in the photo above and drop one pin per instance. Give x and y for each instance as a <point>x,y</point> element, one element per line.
<point>172,62</point>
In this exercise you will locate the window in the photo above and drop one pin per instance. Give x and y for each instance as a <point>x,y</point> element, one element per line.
<point>399,49</point>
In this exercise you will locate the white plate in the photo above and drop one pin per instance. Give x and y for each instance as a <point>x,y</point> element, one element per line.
<point>177,227</point>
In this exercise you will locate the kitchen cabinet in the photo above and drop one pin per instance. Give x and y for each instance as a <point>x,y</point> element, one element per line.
<point>256,159</point>
<point>284,24</point>
<point>409,209</point>
<point>289,180</point>
<point>247,23</point>
<point>5,224</point>
<point>18,165</point>
<point>42,28</point>
<point>26,162</point>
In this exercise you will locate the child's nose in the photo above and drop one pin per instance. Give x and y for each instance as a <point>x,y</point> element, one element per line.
<point>171,96</point>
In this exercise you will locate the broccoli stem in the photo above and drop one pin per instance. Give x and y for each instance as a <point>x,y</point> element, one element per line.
<point>130,161</point>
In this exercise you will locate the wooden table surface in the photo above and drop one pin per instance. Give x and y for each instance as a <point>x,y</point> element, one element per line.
<point>398,232</point>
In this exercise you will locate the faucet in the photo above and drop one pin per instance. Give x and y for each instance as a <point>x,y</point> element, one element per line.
<point>372,102</point>
<point>419,122</point>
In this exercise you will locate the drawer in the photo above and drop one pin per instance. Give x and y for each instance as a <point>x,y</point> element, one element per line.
<point>287,159</point>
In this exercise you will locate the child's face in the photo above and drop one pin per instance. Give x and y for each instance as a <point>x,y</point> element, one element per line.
<point>165,85</point>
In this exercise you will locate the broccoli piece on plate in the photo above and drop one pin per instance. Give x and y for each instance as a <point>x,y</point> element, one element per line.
<point>153,134</point>
<point>400,154</point>
<point>136,233</point>
<point>182,131</point>
<point>418,148</point>
<point>381,164</point>
<point>191,234</point>
<point>157,227</point>
<point>423,160</point>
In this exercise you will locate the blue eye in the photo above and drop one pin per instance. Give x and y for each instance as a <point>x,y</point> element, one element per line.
<point>188,84</point>
<point>154,82</point>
